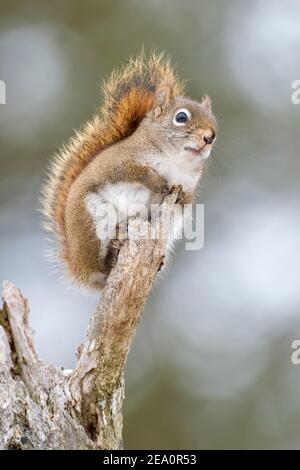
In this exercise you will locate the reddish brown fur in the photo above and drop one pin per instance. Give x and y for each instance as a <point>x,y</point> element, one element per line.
<point>139,105</point>
<point>128,96</point>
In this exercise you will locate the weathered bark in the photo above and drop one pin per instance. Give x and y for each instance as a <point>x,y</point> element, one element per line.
<point>41,408</point>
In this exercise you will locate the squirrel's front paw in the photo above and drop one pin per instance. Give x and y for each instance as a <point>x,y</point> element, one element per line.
<point>169,190</point>
<point>181,196</point>
<point>180,193</point>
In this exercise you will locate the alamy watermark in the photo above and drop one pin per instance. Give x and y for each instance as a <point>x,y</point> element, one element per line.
<point>183,222</point>
<point>295,357</point>
<point>2,92</point>
<point>295,96</point>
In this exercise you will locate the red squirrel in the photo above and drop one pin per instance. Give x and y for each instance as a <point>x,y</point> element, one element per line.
<point>146,137</point>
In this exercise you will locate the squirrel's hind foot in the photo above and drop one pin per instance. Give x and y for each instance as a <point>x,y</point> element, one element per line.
<point>97,280</point>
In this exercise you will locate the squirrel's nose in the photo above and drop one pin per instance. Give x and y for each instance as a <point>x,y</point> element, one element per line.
<point>209,136</point>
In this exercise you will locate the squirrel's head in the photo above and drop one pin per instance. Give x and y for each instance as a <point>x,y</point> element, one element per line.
<point>183,125</point>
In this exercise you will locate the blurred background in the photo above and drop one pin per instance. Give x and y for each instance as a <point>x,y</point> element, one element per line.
<point>211,364</point>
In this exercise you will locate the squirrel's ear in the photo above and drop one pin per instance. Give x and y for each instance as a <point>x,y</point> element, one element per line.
<point>163,98</point>
<point>206,103</point>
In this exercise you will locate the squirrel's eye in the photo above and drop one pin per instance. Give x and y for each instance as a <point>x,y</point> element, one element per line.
<point>182,116</point>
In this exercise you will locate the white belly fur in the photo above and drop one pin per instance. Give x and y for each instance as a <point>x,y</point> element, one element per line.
<point>129,199</point>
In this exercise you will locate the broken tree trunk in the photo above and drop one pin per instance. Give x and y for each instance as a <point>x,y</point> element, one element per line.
<point>41,408</point>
